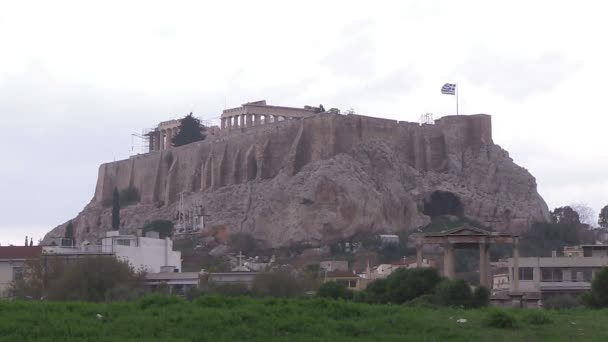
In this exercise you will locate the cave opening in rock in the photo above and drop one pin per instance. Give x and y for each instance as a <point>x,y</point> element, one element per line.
<point>443,203</point>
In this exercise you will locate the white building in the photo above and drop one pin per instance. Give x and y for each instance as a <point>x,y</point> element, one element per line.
<point>560,275</point>
<point>143,253</point>
<point>12,260</point>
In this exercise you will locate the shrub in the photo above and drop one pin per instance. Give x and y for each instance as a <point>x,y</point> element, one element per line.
<point>163,227</point>
<point>334,290</point>
<point>561,302</point>
<point>499,319</point>
<point>193,293</point>
<point>537,318</point>
<point>93,278</point>
<point>598,297</point>
<point>231,290</point>
<point>425,301</point>
<point>454,293</point>
<point>403,284</point>
<point>124,292</point>
<point>275,284</point>
<point>375,293</point>
<point>129,196</point>
<point>481,297</point>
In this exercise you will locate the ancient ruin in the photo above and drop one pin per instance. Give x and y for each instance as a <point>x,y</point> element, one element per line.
<point>299,176</point>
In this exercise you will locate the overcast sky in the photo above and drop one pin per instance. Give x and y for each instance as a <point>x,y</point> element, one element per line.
<point>77,78</point>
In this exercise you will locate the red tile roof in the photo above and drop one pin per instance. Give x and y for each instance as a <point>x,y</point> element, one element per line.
<point>20,252</point>
<point>341,274</point>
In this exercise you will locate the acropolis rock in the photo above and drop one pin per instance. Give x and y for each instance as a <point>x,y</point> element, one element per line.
<point>320,177</point>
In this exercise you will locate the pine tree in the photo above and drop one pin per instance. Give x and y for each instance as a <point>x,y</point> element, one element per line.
<point>115,210</point>
<point>190,130</point>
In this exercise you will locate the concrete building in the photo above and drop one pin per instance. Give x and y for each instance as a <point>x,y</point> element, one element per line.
<point>143,253</point>
<point>560,275</point>
<point>228,278</point>
<point>12,260</point>
<point>348,279</point>
<point>259,113</point>
<point>176,283</point>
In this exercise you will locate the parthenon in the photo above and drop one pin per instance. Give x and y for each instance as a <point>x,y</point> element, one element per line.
<point>247,115</point>
<point>259,113</point>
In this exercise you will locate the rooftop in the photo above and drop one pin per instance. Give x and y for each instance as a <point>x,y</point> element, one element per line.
<point>20,252</point>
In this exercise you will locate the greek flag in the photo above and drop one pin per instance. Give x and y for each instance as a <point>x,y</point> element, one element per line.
<point>448,89</point>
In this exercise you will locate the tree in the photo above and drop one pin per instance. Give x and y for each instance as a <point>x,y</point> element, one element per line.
<point>565,215</point>
<point>603,217</point>
<point>31,242</point>
<point>86,278</point>
<point>115,210</point>
<point>481,297</point>
<point>163,227</point>
<point>402,285</point>
<point>334,290</point>
<point>275,284</point>
<point>69,233</point>
<point>454,293</point>
<point>26,240</point>
<point>598,297</point>
<point>585,213</point>
<point>190,130</point>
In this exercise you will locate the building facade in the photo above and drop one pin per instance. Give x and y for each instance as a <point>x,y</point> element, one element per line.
<point>12,261</point>
<point>560,274</point>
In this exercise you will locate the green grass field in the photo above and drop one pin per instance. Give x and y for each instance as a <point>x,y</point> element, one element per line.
<point>251,319</point>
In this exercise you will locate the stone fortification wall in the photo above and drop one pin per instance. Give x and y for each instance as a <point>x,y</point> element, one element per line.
<point>322,178</point>
<point>261,152</point>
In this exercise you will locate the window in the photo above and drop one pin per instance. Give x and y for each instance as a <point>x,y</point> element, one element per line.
<point>17,273</point>
<point>526,273</point>
<point>582,274</point>
<point>551,274</point>
<point>123,242</point>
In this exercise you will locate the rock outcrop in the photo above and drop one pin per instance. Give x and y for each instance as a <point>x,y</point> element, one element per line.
<point>323,178</point>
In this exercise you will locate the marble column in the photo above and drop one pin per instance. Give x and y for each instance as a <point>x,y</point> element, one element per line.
<point>243,121</point>
<point>161,145</point>
<point>249,120</point>
<point>223,125</point>
<point>484,265</point>
<point>169,136</point>
<point>229,122</point>
<point>266,119</point>
<point>256,119</point>
<point>448,260</point>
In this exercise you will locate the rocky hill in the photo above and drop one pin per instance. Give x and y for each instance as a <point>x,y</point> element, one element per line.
<point>324,178</point>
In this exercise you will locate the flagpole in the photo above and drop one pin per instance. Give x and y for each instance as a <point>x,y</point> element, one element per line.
<point>456,98</point>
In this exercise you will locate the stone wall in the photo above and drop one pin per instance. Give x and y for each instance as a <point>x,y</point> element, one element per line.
<point>321,178</point>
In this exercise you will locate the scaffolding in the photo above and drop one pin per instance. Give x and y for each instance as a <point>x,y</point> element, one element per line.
<point>140,142</point>
<point>190,214</point>
<point>426,119</point>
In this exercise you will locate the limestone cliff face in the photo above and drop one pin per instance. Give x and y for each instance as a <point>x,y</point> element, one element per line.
<point>323,178</point>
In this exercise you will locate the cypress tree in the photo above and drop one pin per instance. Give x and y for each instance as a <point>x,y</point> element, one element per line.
<point>190,130</point>
<point>69,232</point>
<point>25,240</point>
<point>115,210</point>
<point>31,242</point>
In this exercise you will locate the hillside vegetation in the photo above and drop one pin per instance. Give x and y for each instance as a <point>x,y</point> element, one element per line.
<point>242,318</point>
